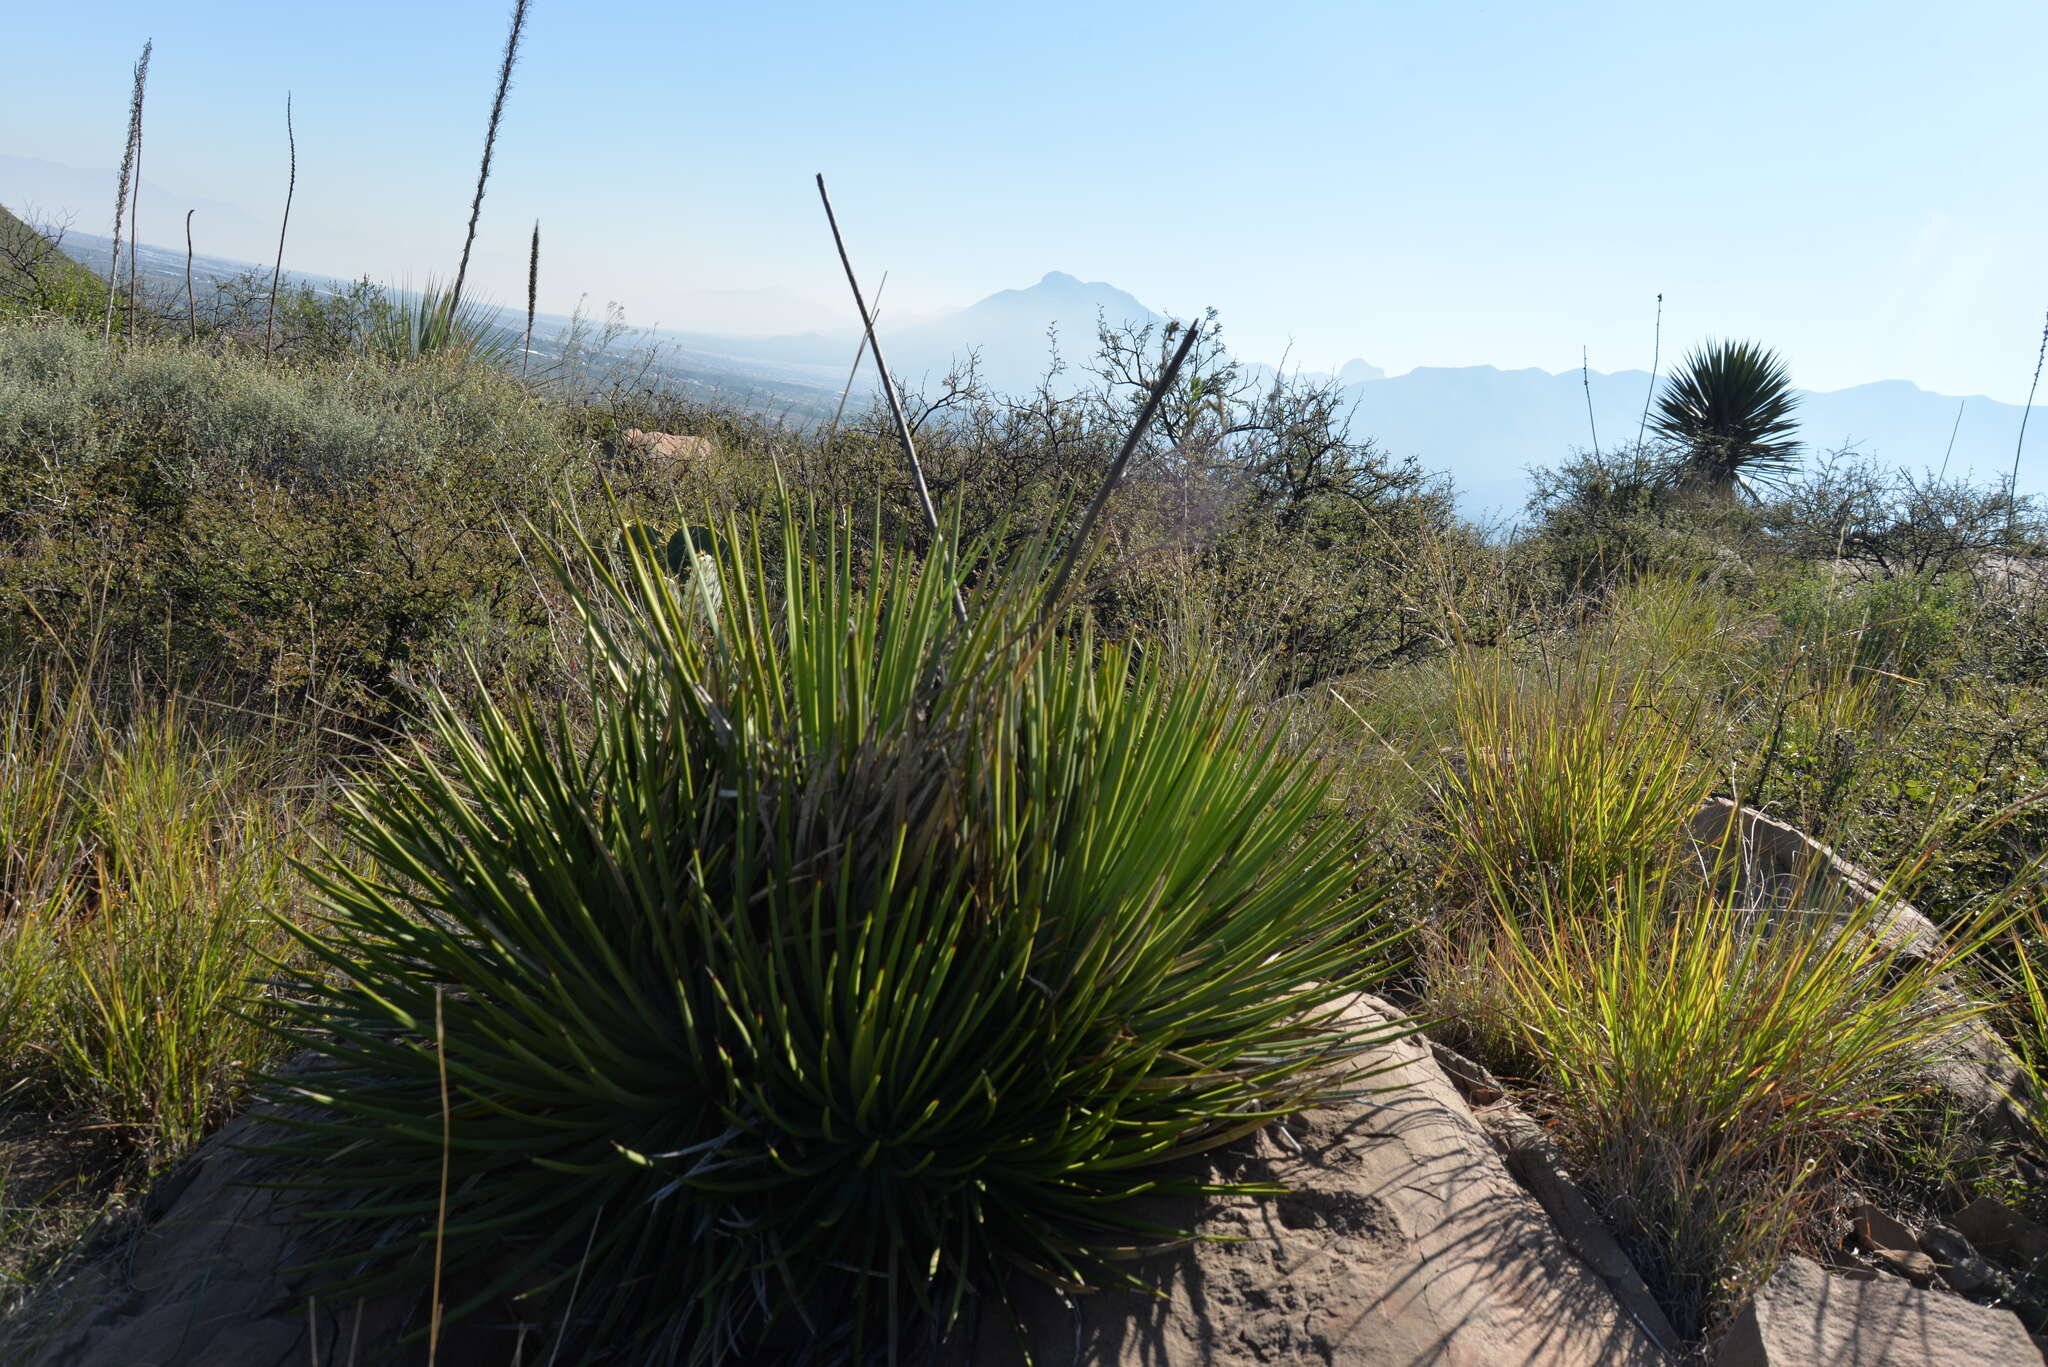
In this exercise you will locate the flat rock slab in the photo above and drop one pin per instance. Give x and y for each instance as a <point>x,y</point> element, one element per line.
<point>1804,1317</point>
<point>1404,1241</point>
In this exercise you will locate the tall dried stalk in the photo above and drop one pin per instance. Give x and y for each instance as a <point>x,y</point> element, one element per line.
<point>127,170</point>
<point>483,170</point>
<point>532,294</point>
<point>867,324</point>
<point>860,353</point>
<point>135,192</point>
<point>290,188</point>
<point>1954,428</point>
<point>191,299</point>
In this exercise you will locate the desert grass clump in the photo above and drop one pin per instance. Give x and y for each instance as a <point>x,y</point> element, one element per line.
<point>145,872</point>
<point>848,963</point>
<point>1577,768</point>
<point>1707,1063</point>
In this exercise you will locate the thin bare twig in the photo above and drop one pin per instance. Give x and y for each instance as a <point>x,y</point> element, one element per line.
<point>291,188</point>
<point>860,353</point>
<point>483,170</point>
<point>867,323</point>
<point>1586,379</point>
<point>1656,355</point>
<point>1085,533</point>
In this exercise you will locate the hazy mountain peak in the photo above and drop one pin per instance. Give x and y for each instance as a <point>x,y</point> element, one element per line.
<point>1062,297</point>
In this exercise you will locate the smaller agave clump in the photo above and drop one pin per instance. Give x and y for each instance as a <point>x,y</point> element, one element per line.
<point>844,963</point>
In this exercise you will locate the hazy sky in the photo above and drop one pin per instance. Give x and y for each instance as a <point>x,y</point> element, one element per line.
<point>1864,185</point>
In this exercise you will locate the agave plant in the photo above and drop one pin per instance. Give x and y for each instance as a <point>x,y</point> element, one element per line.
<point>433,322</point>
<point>847,963</point>
<point>1729,408</point>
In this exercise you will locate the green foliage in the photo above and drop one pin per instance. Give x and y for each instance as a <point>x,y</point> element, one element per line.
<point>275,530</point>
<point>1575,771</point>
<point>433,322</point>
<point>1623,515</point>
<point>144,869</point>
<point>1729,407</point>
<point>850,961</point>
<point>36,277</point>
<point>1908,626</point>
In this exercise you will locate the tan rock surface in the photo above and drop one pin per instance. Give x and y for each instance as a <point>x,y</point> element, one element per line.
<point>1805,1318</point>
<point>1405,1241</point>
<point>667,445</point>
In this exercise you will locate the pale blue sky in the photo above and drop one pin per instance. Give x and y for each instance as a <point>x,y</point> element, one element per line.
<point>1861,185</point>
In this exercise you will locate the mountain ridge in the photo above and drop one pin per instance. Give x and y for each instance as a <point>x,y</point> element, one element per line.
<point>1483,425</point>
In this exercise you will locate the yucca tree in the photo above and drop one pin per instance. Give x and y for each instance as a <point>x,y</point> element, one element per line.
<point>1729,409</point>
<point>839,962</point>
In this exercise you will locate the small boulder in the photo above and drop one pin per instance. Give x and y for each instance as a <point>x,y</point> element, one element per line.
<point>666,445</point>
<point>2002,1232</point>
<point>1960,1265</point>
<point>1805,1318</point>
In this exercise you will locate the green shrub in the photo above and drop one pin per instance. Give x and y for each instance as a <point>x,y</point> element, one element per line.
<point>1907,625</point>
<point>1606,518</point>
<point>848,963</point>
<point>268,529</point>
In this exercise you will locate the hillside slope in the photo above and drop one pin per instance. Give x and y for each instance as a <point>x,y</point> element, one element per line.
<point>35,274</point>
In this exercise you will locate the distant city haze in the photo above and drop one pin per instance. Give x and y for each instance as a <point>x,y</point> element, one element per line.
<point>1418,185</point>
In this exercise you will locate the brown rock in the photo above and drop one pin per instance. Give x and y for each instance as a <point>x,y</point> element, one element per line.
<point>1910,1263</point>
<point>1403,1240</point>
<point>1536,1163</point>
<point>667,445</point>
<point>1960,1265</point>
<point>2002,1232</point>
<point>1474,1083</point>
<point>1878,1230</point>
<point>204,1279</point>
<point>1804,1318</point>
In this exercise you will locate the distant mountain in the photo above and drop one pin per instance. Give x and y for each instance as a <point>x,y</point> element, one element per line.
<point>1488,427</point>
<point>1484,427</point>
<point>1012,330</point>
